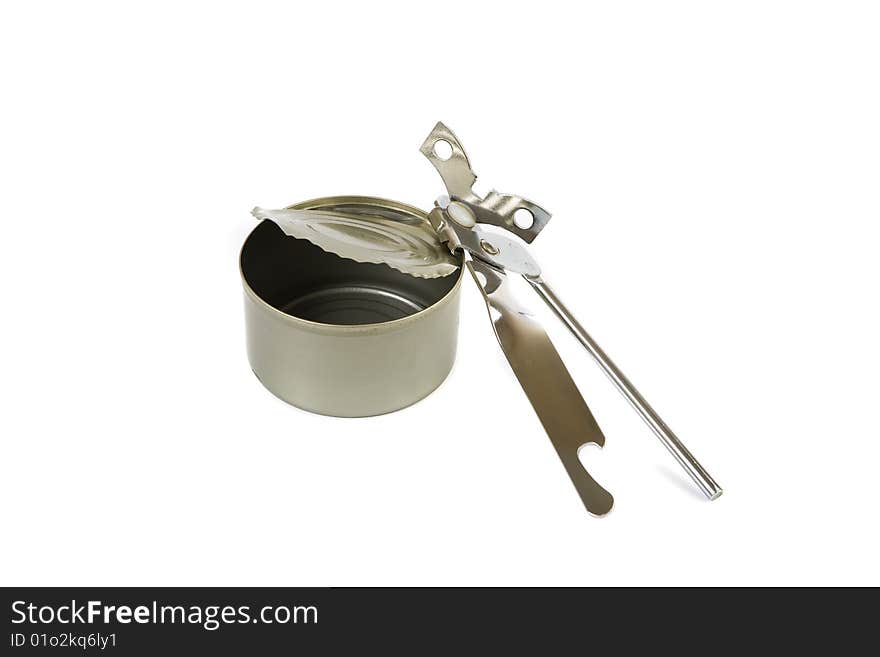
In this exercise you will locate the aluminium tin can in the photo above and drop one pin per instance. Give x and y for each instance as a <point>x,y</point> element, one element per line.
<point>339,337</point>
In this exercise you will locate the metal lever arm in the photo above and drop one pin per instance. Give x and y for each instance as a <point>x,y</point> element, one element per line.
<point>545,380</point>
<point>687,461</point>
<point>496,208</point>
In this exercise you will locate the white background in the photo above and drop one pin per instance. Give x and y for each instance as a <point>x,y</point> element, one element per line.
<point>713,174</point>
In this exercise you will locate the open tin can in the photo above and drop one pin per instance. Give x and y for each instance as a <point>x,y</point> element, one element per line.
<point>339,337</point>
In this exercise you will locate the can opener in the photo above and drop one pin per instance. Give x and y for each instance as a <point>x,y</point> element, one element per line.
<point>457,218</point>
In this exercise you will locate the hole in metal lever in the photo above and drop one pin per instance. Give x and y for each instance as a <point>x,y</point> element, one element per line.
<point>523,218</point>
<point>442,149</point>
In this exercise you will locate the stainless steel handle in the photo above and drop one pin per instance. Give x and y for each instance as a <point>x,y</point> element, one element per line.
<point>687,461</point>
<point>545,380</point>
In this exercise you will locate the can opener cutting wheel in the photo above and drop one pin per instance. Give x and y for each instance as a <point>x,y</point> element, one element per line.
<point>532,356</point>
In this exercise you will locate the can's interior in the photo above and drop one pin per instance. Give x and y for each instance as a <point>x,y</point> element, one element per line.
<point>302,280</point>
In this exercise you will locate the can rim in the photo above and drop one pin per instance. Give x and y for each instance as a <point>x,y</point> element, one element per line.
<point>323,201</point>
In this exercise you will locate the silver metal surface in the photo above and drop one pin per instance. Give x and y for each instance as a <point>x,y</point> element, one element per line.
<point>496,208</point>
<point>348,305</point>
<point>687,461</point>
<point>546,382</point>
<point>492,255</point>
<point>338,337</point>
<point>506,252</point>
<point>407,244</point>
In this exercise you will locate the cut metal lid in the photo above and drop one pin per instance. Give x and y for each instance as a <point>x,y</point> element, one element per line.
<point>411,246</point>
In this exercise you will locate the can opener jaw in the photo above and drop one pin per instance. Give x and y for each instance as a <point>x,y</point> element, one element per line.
<point>532,356</point>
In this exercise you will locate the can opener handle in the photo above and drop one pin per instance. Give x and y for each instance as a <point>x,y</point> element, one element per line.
<point>489,256</point>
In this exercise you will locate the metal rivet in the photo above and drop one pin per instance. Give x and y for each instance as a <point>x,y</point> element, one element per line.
<point>489,248</point>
